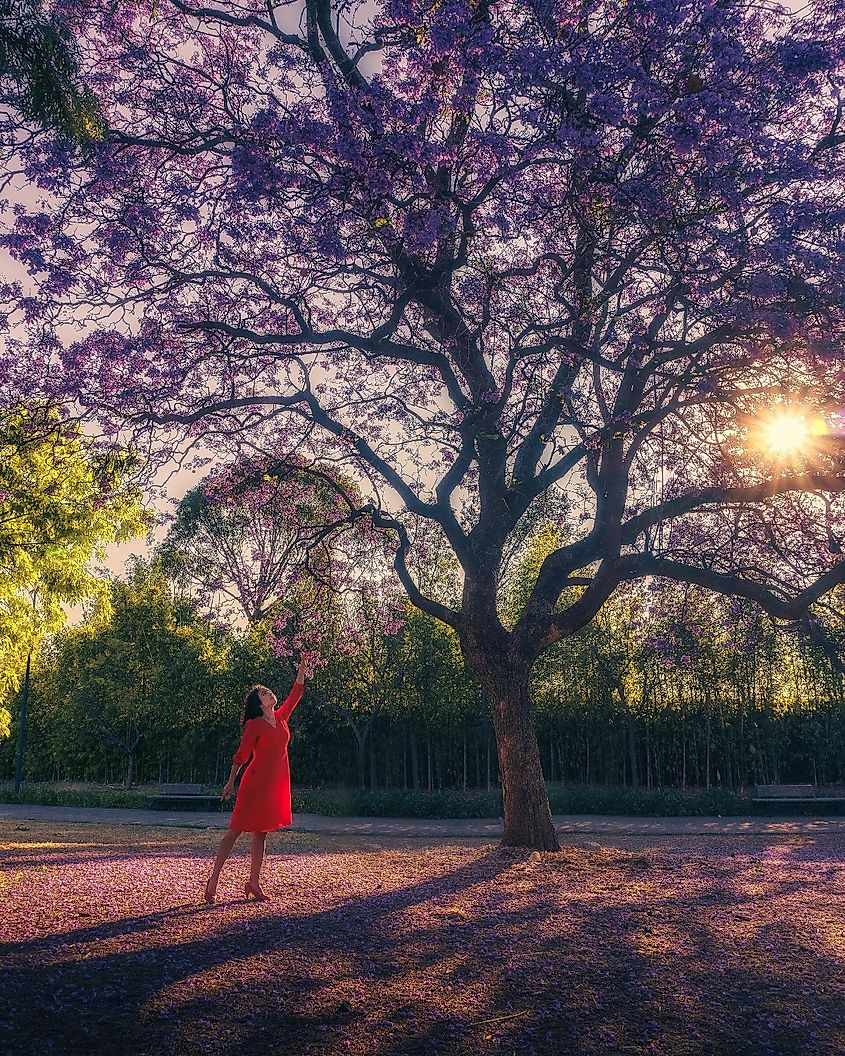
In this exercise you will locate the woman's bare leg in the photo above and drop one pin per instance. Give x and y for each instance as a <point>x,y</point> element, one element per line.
<point>226,845</point>
<point>259,841</point>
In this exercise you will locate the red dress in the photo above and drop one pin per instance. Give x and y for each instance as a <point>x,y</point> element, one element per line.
<point>263,800</point>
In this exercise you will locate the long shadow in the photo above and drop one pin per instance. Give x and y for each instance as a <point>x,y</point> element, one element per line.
<point>693,998</point>
<point>58,857</point>
<point>373,906</point>
<point>352,925</point>
<point>61,860</point>
<point>592,979</point>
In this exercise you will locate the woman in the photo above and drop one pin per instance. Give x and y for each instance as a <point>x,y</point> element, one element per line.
<point>263,800</point>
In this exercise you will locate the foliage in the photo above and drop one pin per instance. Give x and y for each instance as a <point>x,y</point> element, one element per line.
<point>144,668</point>
<point>258,530</point>
<point>514,265</point>
<point>62,500</point>
<point>469,252</point>
<point>39,72</point>
<point>609,710</point>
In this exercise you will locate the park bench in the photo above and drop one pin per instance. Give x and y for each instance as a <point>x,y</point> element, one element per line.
<point>793,794</point>
<point>184,797</point>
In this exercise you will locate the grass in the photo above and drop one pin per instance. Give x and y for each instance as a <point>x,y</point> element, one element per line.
<point>73,794</point>
<point>404,803</point>
<point>388,947</point>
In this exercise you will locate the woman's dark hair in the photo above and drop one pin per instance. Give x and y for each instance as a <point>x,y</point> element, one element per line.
<point>252,705</point>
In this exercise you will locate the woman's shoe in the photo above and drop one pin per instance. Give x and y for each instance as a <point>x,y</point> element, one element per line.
<point>210,894</point>
<point>255,892</point>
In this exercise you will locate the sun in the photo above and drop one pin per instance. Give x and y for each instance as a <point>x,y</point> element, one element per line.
<point>787,433</point>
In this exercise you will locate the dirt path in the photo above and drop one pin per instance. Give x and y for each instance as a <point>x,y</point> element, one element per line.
<point>653,944</point>
<point>464,828</point>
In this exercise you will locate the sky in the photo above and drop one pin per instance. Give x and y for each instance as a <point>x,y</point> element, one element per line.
<point>179,480</point>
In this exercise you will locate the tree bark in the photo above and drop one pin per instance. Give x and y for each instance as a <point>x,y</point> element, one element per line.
<point>373,775</point>
<point>415,761</point>
<point>632,747</point>
<point>22,725</point>
<point>360,744</point>
<point>527,816</point>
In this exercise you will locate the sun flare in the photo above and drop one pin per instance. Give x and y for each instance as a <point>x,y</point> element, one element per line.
<point>786,433</point>
<point>789,432</point>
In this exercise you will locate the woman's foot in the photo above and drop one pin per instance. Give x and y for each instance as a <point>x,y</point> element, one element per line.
<point>252,890</point>
<point>210,893</point>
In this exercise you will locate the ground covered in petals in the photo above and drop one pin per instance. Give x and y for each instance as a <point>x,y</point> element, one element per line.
<point>398,947</point>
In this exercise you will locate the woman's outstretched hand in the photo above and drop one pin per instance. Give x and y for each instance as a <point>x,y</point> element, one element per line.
<point>305,669</point>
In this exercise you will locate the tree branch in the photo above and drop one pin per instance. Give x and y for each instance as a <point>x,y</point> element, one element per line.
<point>664,511</point>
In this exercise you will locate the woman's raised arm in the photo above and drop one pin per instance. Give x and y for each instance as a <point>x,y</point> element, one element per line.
<point>293,698</point>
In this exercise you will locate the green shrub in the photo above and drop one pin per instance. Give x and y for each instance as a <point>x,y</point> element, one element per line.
<point>449,803</point>
<point>397,803</point>
<point>92,796</point>
<point>666,802</point>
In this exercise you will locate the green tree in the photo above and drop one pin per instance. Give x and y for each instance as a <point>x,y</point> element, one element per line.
<point>436,696</point>
<point>144,672</point>
<point>39,74</point>
<point>63,498</point>
<point>359,683</point>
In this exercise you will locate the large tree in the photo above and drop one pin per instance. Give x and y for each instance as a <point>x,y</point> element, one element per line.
<point>478,250</point>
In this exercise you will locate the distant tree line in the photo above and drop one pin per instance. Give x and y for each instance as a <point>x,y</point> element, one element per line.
<point>148,689</point>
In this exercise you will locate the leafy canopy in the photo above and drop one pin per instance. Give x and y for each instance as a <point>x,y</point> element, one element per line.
<point>39,72</point>
<point>474,250</point>
<point>63,499</point>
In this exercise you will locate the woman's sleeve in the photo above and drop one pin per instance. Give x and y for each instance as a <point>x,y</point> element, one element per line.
<point>247,743</point>
<point>284,710</point>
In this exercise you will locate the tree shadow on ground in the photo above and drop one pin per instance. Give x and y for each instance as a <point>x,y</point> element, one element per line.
<point>582,953</point>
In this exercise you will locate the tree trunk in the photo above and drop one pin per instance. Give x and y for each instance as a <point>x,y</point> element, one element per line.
<point>527,816</point>
<point>648,756</point>
<point>360,744</point>
<point>373,775</point>
<point>632,747</point>
<point>415,761</point>
<point>707,750</point>
<point>22,725</point>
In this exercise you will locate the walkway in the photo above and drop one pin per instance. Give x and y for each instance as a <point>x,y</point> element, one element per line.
<point>442,828</point>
